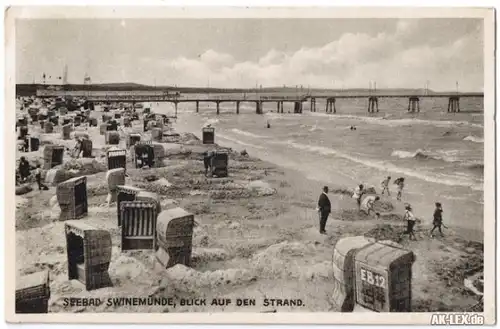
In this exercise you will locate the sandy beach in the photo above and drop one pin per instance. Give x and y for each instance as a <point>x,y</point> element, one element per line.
<point>256,235</point>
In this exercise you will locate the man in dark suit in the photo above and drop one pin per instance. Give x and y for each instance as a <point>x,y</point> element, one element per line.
<point>324,207</point>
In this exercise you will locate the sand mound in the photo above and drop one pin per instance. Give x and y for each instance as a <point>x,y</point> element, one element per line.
<point>261,188</point>
<point>189,139</point>
<point>125,269</point>
<point>353,215</point>
<point>23,189</point>
<point>319,271</point>
<point>384,232</point>
<point>162,182</point>
<point>85,166</point>
<point>342,191</point>
<point>187,279</point>
<point>201,255</point>
<point>280,260</point>
<point>21,202</point>
<point>383,206</point>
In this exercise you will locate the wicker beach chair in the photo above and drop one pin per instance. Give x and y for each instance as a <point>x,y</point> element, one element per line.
<point>174,229</point>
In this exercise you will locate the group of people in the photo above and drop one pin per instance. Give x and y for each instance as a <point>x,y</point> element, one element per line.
<point>400,182</point>
<point>367,203</point>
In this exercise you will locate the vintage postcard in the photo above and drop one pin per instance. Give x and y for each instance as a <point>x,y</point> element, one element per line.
<point>250,165</point>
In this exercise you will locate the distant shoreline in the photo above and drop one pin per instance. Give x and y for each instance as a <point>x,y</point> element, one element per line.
<point>30,89</point>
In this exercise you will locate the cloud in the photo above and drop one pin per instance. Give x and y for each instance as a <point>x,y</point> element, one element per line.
<point>407,56</point>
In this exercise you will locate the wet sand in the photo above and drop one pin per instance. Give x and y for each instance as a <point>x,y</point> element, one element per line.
<point>257,237</point>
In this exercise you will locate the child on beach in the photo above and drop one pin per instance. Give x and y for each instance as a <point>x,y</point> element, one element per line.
<point>368,203</point>
<point>410,220</point>
<point>358,193</point>
<point>438,219</point>
<point>400,182</point>
<point>38,177</point>
<point>385,185</point>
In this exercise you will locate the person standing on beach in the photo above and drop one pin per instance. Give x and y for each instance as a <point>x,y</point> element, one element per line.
<point>410,220</point>
<point>324,209</point>
<point>385,186</point>
<point>38,177</point>
<point>438,219</point>
<point>358,194</point>
<point>207,156</point>
<point>400,182</point>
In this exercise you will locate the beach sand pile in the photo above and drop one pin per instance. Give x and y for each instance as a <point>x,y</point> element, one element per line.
<point>256,235</point>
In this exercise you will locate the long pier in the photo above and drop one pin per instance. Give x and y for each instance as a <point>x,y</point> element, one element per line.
<point>259,98</point>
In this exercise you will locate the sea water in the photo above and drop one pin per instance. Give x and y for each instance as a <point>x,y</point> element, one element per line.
<point>440,154</point>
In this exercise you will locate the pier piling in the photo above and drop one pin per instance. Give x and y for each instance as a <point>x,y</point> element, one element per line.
<point>413,104</point>
<point>330,105</point>
<point>258,107</point>
<point>297,107</point>
<point>197,106</point>
<point>237,107</point>
<point>218,107</point>
<point>372,104</point>
<point>313,104</point>
<point>454,104</point>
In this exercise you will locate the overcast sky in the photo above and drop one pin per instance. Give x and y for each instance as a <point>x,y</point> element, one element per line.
<point>330,53</point>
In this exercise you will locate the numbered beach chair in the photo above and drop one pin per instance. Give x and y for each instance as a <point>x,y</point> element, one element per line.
<point>117,158</point>
<point>87,148</point>
<point>33,293</point>
<point>52,156</point>
<point>174,229</point>
<point>208,135</point>
<point>34,144</point>
<point>132,139</point>
<point>88,254</point>
<point>124,193</point>
<point>383,278</point>
<point>219,163</point>
<point>138,225</point>
<point>112,137</point>
<point>66,131</point>
<point>343,294</point>
<point>144,154</point>
<point>72,198</point>
<point>114,177</point>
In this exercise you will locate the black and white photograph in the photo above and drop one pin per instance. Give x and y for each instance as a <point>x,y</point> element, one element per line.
<point>260,165</point>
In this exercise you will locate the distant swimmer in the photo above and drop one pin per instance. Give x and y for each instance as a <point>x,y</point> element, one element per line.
<point>400,182</point>
<point>385,185</point>
<point>324,209</point>
<point>368,204</point>
<point>353,128</point>
<point>268,125</point>
<point>438,219</point>
<point>358,193</point>
<point>410,220</point>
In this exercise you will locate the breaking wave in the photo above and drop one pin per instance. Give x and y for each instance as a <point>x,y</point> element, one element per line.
<point>449,156</point>
<point>474,139</point>
<point>388,121</point>
<point>387,166</point>
<point>211,122</point>
<point>419,155</point>
<point>246,133</point>
<point>234,140</point>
